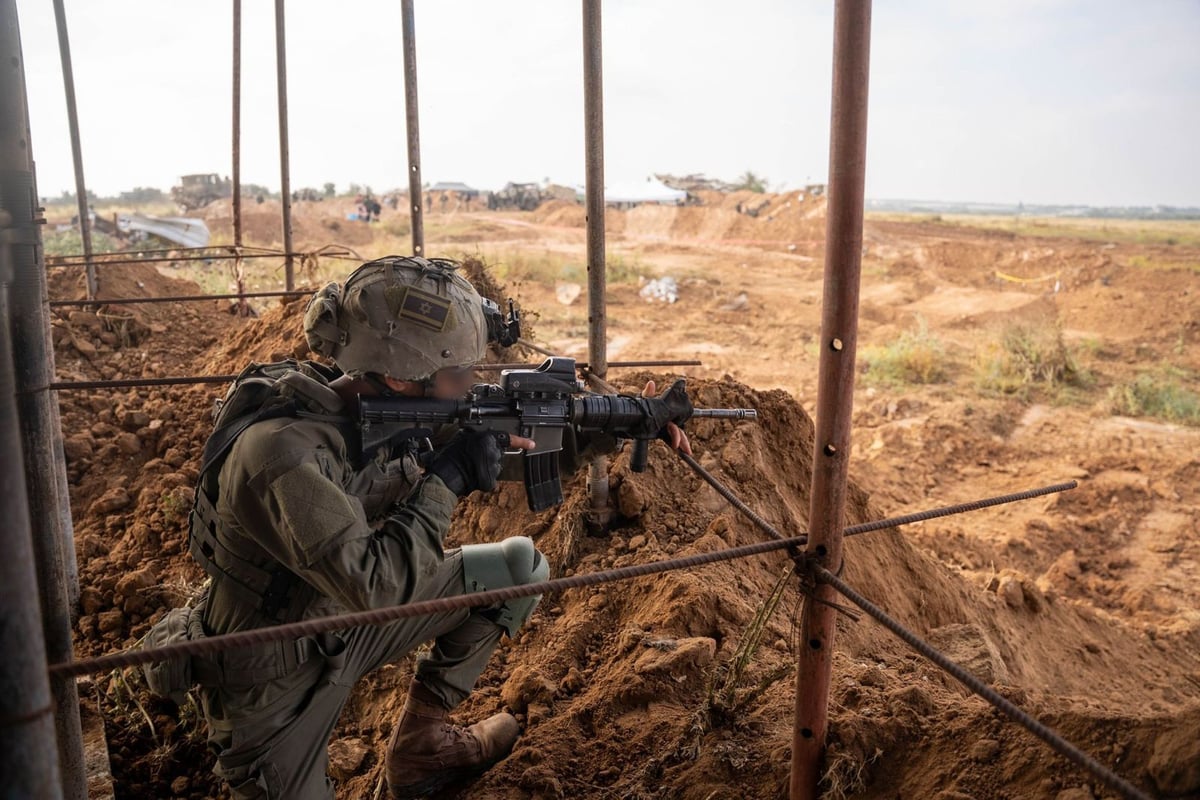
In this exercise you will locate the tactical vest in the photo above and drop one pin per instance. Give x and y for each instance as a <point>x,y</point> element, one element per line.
<point>261,392</point>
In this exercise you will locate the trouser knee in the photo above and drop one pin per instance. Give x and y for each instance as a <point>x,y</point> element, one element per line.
<point>498,565</point>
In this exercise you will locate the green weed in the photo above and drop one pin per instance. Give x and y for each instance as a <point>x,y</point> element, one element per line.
<point>1162,395</point>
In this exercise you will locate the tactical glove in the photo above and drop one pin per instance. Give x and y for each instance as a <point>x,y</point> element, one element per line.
<point>673,405</point>
<point>470,461</point>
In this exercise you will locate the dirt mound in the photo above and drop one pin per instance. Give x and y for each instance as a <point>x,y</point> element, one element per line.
<point>560,212</point>
<point>737,216</point>
<point>313,224</point>
<point>616,684</point>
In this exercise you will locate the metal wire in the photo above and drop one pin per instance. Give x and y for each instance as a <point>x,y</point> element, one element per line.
<point>997,701</point>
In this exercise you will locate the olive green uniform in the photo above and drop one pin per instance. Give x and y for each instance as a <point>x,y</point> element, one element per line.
<point>289,495</point>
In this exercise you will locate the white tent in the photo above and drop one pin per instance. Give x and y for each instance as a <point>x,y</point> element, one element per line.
<point>650,190</point>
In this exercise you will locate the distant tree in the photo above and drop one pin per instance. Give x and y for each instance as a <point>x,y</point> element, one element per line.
<point>330,189</point>
<point>354,189</point>
<point>751,183</point>
<point>141,194</point>
<point>69,197</point>
<point>256,190</point>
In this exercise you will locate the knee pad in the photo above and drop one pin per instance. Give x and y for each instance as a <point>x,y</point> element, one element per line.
<point>498,565</point>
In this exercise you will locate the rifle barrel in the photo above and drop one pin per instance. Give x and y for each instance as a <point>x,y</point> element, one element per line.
<point>725,413</point>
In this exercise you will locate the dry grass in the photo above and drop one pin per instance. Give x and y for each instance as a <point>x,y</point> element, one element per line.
<point>1091,229</point>
<point>915,357</point>
<point>1163,395</point>
<point>1025,357</point>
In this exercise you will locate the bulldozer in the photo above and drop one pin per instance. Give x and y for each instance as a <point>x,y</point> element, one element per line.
<point>197,191</point>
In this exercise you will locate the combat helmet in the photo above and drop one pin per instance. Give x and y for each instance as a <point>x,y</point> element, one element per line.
<point>400,316</point>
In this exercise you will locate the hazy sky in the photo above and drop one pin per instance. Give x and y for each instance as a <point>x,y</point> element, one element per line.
<point>1056,101</point>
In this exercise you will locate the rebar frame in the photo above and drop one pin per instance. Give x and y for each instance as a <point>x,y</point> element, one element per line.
<point>839,328</point>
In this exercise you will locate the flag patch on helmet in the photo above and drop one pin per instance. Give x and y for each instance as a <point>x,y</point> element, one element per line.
<point>425,309</point>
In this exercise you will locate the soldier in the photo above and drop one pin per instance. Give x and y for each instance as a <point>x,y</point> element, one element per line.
<point>291,525</point>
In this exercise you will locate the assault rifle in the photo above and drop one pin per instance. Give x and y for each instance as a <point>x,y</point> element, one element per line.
<point>539,404</point>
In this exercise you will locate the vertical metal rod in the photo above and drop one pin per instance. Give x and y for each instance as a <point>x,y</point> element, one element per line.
<point>28,369</point>
<point>85,224</point>
<point>835,387</point>
<point>239,269</point>
<point>414,127</point>
<point>285,178</point>
<point>593,117</point>
<point>28,755</point>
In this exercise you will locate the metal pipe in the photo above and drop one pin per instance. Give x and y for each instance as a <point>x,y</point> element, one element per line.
<point>28,752</point>
<point>285,178</point>
<point>593,119</point>
<point>835,386</point>
<point>239,269</point>
<point>32,492</point>
<point>416,215</point>
<point>28,755</point>
<point>81,198</point>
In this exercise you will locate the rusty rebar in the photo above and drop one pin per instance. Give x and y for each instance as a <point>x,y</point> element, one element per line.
<point>239,268</point>
<point>183,298</point>
<point>38,504</point>
<point>412,127</point>
<point>593,121</point>
<point>169,260</point>
<point>380,616</point>
<point>192,379</point>
<point>129,658</point>
<point>285,177</point>
<point>81,196</point>
<point>835,385</point>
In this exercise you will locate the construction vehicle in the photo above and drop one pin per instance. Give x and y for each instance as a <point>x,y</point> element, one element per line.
<point>520,196</point>
<point>197,191</point>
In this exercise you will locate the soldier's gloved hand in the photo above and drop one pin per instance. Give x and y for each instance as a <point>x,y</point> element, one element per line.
<point>470,461</point>
<point>672,406</point>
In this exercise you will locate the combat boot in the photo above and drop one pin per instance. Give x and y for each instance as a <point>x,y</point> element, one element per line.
<point>428,752</point>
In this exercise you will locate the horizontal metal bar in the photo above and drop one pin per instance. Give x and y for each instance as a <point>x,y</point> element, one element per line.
<point>189,379</point>
<point>584,365</point>
<point>165,260</point>
<point>131,383</point>
<point>185,298</point>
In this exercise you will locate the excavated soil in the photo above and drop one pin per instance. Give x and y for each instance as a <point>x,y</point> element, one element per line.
<point>1081,607</point>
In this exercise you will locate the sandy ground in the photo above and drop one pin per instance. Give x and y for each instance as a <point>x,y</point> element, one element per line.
<point>1082,607</point>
